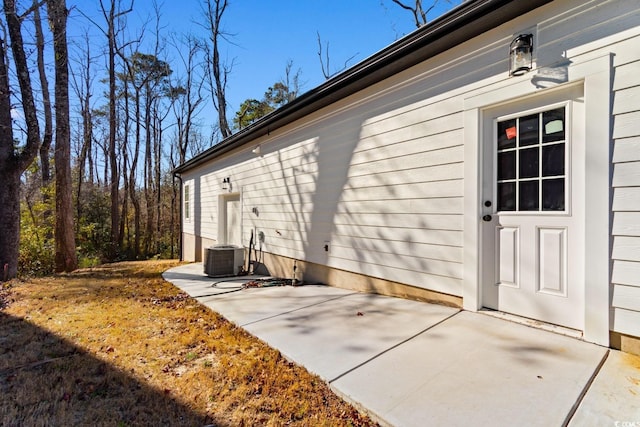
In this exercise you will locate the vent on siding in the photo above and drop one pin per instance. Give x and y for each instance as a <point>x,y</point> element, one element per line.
<point>223,260</point>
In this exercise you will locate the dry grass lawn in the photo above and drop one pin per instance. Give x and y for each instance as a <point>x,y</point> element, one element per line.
<point>119,346</point>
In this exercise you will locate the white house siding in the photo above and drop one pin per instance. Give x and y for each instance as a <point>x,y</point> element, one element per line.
<point>388,202</point>
<point>626,195</point>
<point>602,27</point>
<point>379,175</point>
<point>587,30</point>
<point>400,213</point>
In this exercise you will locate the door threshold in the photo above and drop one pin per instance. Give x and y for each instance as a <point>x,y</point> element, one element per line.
<point>550,327</point>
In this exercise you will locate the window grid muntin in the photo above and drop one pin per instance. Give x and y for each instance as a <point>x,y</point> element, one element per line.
<point>540,146</point>
<point>187,203</point>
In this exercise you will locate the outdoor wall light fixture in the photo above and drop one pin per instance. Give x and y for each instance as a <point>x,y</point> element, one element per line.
<point>521,55</point>
<point>256,150</point>
<point>226,183</point>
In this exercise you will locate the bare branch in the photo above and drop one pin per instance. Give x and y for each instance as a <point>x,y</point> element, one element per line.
<point>217,72</point>
<point>418,11</point>
<point>47,137</point>
<point>34,8</point>
<point>325,62</point>
<point>325,69</point>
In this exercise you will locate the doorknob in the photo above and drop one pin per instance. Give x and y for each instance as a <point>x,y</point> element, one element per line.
<point>486,218</point>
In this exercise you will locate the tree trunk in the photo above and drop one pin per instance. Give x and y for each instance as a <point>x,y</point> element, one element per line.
<point>47,137</point>
<point>9,223</point>
<point>217,71</point>
<point>113,156</point>
<point>126,123</point>
<point>10,194</point>
<point>65,256</point>
<point>132,179</point>
<point>158,183</point>
<point>148,171</point>
<point>13,160</point>
<point>83,92</point>
<point>111,16</point>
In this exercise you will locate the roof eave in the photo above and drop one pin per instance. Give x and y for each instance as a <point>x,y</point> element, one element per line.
<point>442,34</point>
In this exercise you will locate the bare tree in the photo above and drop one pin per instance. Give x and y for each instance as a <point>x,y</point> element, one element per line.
<point>291,81</point>
<point>325,60</point>
<point>82,80</point>
<point>418,10</point>
<point>112,14</point>
<point>13,159</point>
<point>157,87</point>
<point>186,93</point>
<point>216,71</point>
<point>65,247</point>
<point>160,113</point>
<point>47,136</point>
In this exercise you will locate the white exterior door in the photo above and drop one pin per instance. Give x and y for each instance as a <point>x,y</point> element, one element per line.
<point>533,209</point>
<point>231,209</point>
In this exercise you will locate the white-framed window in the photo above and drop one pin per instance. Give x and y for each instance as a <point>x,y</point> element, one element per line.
<point>531,159</point>
<point>187,203</point>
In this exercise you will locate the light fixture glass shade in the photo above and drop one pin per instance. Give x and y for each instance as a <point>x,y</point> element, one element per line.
<point>521,55</point>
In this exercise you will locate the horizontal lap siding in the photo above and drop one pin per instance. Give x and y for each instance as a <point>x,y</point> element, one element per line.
<point>384,186</point>
<point>400,214</point>
<point>626,232</point>
<point>379,175</point>
<point>282,187</point>
<point>625,275</point>
<point>588,30</point>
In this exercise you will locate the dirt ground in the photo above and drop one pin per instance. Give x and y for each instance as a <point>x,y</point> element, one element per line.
<point>117,345</point>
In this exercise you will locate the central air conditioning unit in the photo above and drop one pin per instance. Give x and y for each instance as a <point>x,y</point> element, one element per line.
<point>223,260</point>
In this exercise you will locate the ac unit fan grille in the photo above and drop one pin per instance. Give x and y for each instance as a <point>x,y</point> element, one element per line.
<point>223,261</point>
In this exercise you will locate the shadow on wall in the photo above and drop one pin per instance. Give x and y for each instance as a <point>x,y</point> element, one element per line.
<point>433,223</point>
<point>338,139</point>
<point>46,380</point>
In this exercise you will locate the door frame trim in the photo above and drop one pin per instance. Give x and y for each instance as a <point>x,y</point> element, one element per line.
<point>595,76</point>
<point>222,215</point>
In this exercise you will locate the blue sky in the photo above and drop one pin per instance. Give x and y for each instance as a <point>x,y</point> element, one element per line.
<point>268,33</point>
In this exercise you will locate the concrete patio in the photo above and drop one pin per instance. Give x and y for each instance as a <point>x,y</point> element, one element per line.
<point>408,363</point>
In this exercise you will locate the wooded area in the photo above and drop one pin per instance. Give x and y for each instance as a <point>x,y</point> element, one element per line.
<point>106,192</point>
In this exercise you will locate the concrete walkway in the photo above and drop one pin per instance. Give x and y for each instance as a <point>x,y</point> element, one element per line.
<point>408,363</point>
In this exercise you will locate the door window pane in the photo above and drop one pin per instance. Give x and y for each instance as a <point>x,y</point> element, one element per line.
<point>553,125</point>
<point>507,134</point>
<point>553,195</point>
<point>529,163</point>
<point>528,196</point>
<point>507,196</point>
<point>507,165</point>
<point>529,130</point>
<point>553,160</point>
